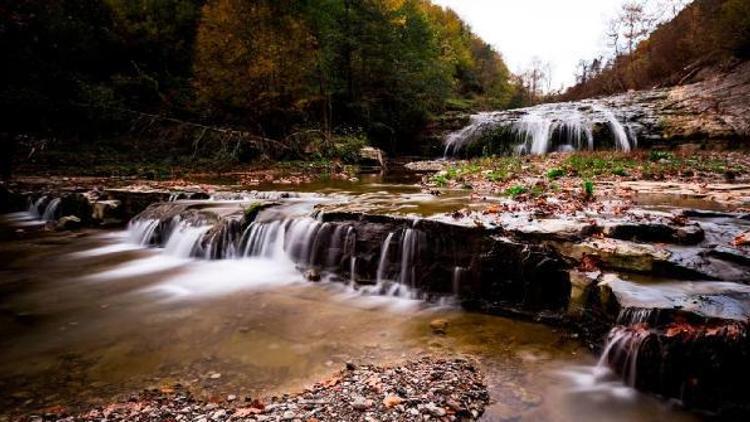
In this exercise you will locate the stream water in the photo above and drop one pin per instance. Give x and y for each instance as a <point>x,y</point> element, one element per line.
<point>90,316</point>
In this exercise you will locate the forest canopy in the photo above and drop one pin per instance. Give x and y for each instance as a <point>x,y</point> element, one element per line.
<point>380,68</point>
<point>704,32</point>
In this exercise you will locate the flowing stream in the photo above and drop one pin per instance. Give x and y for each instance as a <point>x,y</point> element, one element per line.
<point>226,310</point>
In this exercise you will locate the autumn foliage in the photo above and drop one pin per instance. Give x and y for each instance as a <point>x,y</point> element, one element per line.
<point>705,32</point>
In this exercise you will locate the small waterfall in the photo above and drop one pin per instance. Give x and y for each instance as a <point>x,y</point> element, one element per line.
<point>306,241</point>
<point>634,316</point>
<point>185,240</point>
<point>478,124</point>
<point>382,262</point>
<point>35,207</point>
<point>458,273</point>
<point>223,240</point>
<point>621,352</point>
<point>353,270</point>
<point>618,130</point>
<point>546,128</point>
<point>141,232</point>
<point>44,208</point>
<point>400,283</point>
<point>50,213</point>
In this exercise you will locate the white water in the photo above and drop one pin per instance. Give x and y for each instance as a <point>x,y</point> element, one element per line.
<point>546,128</point>
<point>400,283</point>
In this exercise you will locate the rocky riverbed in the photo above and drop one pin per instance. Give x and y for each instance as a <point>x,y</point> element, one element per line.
<point>641,269</point>
<point>424,389</point>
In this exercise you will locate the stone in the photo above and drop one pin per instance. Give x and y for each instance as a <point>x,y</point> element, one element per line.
<point>439,326</point>
<point>619,254</point>
<point>371,157</point>
<point>390,401</point>
<point>361,403</point>
<point>435,410</point>
<point>581,284</point>
<point>70,222</point>
<point>312,275</point>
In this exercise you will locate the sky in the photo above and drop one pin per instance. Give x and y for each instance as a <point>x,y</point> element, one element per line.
<point>560,32</point>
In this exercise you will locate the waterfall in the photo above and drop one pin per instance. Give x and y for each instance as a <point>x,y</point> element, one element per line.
<point>44,209</point>
<point>223,240</point>
<point>400,283</point>
<point>141,232</point>
<point>456,281</point>
<point>622,349</point>
<point>546,128</point>
<point>633,316</point>
<point>50,213</point>
<point>478,124</point>
<point>185,239</point>
<point>300,240</point>
<point>618,130</point>
<point>35,207</point>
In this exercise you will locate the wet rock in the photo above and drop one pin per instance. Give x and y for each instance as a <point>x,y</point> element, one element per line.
<point>70,222</point>
<point>699,301</point>
<point>439,326</point>
<point>78,205</point>
<point>618,254</point>
<point>582,285</point>
<point>312,275</point>
<point>371,157</point>
<point>552,229</point>
<point>107,212</point>
<point>654,232</point>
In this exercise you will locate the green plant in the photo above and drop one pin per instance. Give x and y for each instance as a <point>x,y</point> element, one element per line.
<point>656,155</point>
<point>440,180</point>
<point>514,191</point>
<point>619,171</point>
<point>555,173</point>
<point>588,188</point>
<point>251,211</point>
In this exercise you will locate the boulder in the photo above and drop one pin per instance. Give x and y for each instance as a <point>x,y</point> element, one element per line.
<point>371,157</point>
<point>70,222</point>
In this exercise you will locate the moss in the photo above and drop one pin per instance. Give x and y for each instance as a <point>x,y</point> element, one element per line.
<point>251,211</point>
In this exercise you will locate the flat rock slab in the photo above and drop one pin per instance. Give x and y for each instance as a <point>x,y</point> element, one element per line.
<point>709,299</point>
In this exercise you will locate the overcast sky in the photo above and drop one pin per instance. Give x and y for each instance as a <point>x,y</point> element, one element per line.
<point>557,31</point>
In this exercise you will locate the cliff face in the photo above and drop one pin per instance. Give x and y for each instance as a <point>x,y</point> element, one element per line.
<point>715,106</point>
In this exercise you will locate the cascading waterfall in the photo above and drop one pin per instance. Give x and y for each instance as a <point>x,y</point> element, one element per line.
<point>289,236</point>
<point>633,316</point>
<point>35,207</point>
<point>402,282</point>
<point>141,232</point>
<point>547,128</point>
<point>44,209</point>
<point>184,240</point>
<point>624,344</point>
<point>300,240</point>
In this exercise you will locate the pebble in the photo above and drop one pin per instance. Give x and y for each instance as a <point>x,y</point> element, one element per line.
<point>416,390</point>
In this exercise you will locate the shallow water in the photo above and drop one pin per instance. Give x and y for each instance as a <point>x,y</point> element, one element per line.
<point>87,318</point>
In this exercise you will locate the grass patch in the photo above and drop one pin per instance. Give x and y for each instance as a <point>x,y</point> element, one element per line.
<point>515,191</point>
<point>555,173</point>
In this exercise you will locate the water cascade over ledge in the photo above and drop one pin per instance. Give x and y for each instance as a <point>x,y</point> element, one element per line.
<point>546,128</point>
